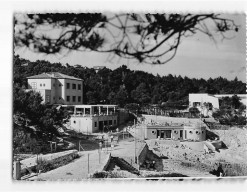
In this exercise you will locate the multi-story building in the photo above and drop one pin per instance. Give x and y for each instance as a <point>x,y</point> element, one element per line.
<point>94,118</point>
<point>57,88</point>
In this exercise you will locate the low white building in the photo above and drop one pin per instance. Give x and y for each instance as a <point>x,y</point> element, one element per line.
<point>198,99</point>
<point>93,118</point>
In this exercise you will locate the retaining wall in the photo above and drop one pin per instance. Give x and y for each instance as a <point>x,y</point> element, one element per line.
<point>31,163</point>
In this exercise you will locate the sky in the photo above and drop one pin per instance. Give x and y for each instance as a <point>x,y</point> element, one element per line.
<point>197,57</point>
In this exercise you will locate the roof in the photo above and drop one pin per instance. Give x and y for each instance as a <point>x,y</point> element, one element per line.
<point>55,75</point>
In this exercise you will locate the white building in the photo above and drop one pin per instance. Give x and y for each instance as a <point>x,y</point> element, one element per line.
<point>93,118</point>
<point>198,99</point>
<point>57,88</point>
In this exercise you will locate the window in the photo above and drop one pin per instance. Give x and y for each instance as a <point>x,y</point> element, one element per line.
<point>73,98</point>
<point>43,84</point>
<point>79,98</point>
<point>53,84</point>
<point>95,124</point>
<point>68,98</point>
<point>110,122</point>
<point>68,85</point>
<point>79,86</point>
<point>40,85</point>
<point>115,122</point>
<point>105,123</point>
<point>74,121</point>
<point>34,85</point>
<point>47,98</point>
<point>73,86</point>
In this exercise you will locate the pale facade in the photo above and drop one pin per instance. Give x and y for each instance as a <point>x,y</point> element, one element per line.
<point>184,132</point>
<point>57,88</point>
<point>198,99</point>
<point>93,118</point>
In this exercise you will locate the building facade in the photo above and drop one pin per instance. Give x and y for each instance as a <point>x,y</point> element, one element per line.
<point>172,132</point>
<point>57,88</point>
<point>198,99</point>
<point>93,118</point>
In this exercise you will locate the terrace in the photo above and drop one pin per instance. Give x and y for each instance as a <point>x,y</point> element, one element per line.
<point>94,110</point>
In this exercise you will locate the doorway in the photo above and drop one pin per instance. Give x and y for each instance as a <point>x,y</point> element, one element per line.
<point>101,125</point>
<point>181,134</point>
<point>162,134</point>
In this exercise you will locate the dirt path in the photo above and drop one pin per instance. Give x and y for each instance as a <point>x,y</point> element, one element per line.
<point>76,170</point>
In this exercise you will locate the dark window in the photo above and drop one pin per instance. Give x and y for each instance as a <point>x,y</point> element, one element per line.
<point>73,86</point>
<point>43,85</point>
<point>95,124</point>
<point>74,121</point>
<point>115,122</point>
<point>79,98</point>
<point>53,84</point>
<point>73,98</point>
<point>110,122</point>
<point>105,122</point>
<point>40,85</point>
<point>68,98</point>
<point>68,85</point>
<point>79,86</point>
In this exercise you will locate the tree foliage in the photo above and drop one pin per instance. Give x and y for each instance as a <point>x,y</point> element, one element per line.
<point>123,86</point>
<point>149,38</point>
<point>28,106</point>
<point>231,111</point>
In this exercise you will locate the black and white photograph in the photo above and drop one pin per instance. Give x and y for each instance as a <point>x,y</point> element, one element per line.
<point>138,95</point>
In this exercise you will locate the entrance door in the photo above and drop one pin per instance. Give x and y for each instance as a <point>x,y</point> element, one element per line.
<point>181,134</point>
<point>101,125</point>
<point>162,134</point>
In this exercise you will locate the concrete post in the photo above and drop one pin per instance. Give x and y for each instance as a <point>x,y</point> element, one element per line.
<point>107,111</point>
<point>17,170</point>
<point>91,111</point>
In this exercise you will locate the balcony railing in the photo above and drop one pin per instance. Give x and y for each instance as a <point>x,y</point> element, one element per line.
<point>78,114</point>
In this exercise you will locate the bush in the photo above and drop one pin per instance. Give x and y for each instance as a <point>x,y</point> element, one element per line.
<point>104,174</point>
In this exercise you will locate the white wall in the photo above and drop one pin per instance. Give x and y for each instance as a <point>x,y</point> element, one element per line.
<point>87,124</point>
<point>72,92</point>
<point>195,133</point>
<point>203,98</point>
<point>59,92</point>
<point>43,86</point>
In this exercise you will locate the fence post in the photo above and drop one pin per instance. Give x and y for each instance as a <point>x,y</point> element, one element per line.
<point>88,163</point>
<point>17,170</point>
